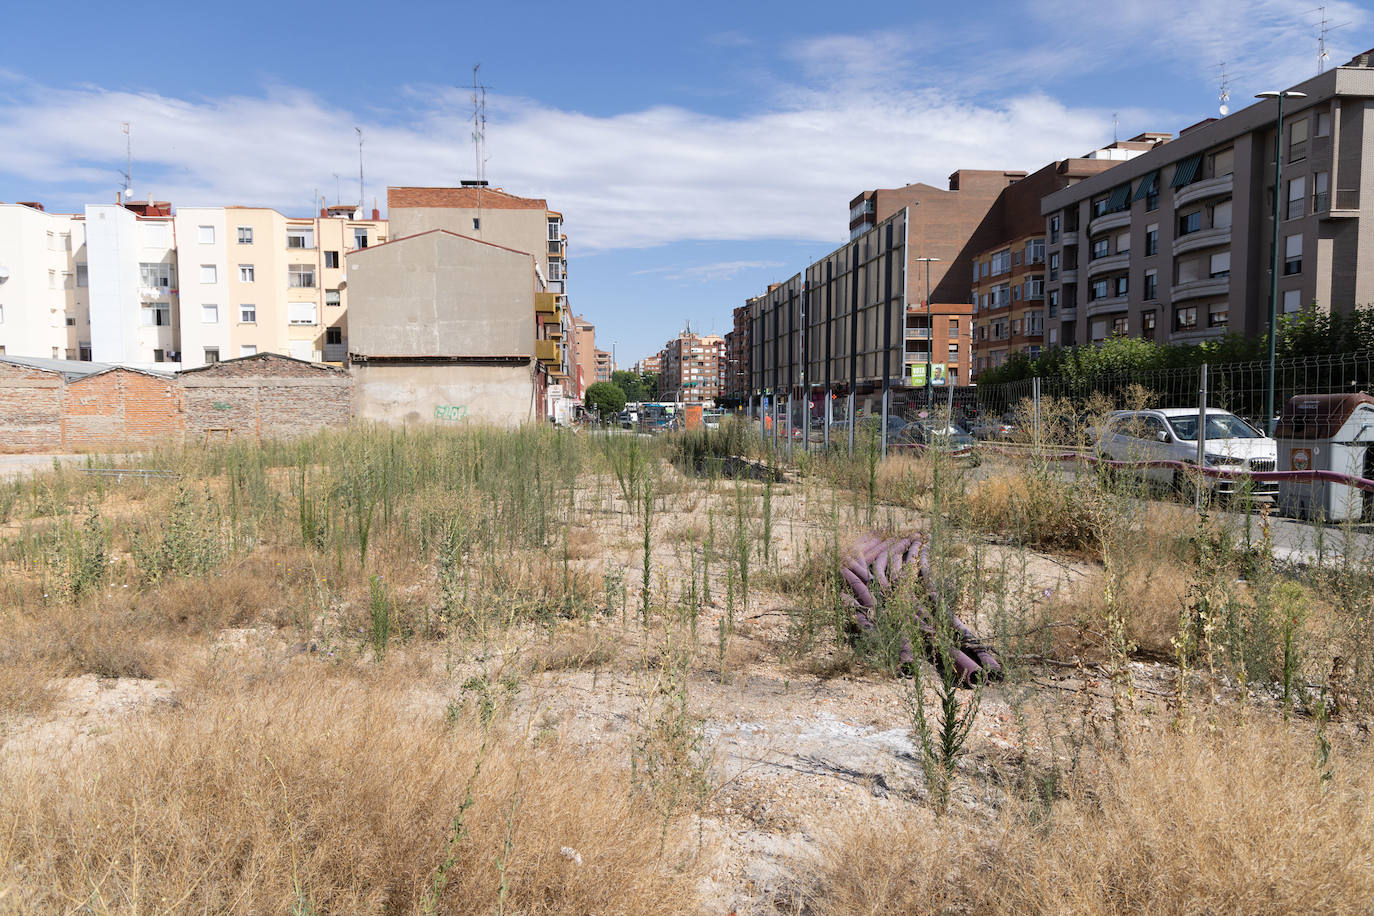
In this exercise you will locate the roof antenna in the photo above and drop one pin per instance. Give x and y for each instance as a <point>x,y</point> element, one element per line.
<point>1114,127</point>
<point>361,198</point>
<point>479,125</point>
<point>1326,28</point>
<point>128,172</point>
<point>1224,96</point>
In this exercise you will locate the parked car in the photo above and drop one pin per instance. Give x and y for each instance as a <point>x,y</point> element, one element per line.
<point>1170,434</point>
<point>948,438</point>
<point>991,428</point>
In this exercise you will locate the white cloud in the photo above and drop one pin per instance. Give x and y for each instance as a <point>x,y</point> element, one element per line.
<point>708,273</point>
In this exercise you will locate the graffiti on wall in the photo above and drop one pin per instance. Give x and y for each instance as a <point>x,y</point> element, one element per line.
<point>451,412</point>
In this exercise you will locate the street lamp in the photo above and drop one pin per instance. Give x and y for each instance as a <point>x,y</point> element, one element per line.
<point>930,333</point>
<point>1274,267</point>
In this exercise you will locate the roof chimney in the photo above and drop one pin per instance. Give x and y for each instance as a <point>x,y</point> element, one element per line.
<point>30,203</point>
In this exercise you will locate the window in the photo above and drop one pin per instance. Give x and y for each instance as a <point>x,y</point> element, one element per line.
<point>1147,323</point>
<point>1152,197</point>
<point>1016,259</point>
<point>1221,164</point>
<point>246,273</point>
<point>975,271</point>
<point>1152,239</point>
<point>208,274</point>
<point>1054,229</point>
<point>1188,269</point>
<point>1190,222</point>
<point>1035,251</point>
<point>1292,255</point>
<point>1101,248</point>
<point>1292,301</point>
<point>1297,141</point>
<point>1035,322</point>
<point>300,313</point>
<point>954,327</point>
<point>331,297</point>
<point>1123,242</point>
<point>207,234</point>
<point>156,235</point>
<point>66,280</point>
<point>1054,303</point>
<point>1151,285</point>
<point>248,313</point>
<point>1035,288</point>
<point>1001,262</point>
<point>71,322</point>
<point>209,314</point>
<point>300,238</point>
<point>1122,284</point>
<point>1221,214</point>
<point>157,316</point>
<point>1099,206</point>
<point>331,259</point>
<point>1323,126</point>
<point>52,240</point>
<point>83,276</point>
<point>1185,318</point>
<point>1120,326</point>
<point>52,277</point>
<point>1297,197</point>
<point>1099,290</point>
<point>1321,192</point>
<point>211,355</point>
<point>1217,315</point>
<point>954,353</point>
<point>300,276</point>
<point>333,335</point>
<point>476,223</point>
<point>1220,265</point>
<point>555,269</point>
<point>159,356</point>
<point>360,237</point>
<point>245,235</point>
<point>1054,266</point>
<point>556,225</point>
<point>1098,330</point>
<point>248,350</point>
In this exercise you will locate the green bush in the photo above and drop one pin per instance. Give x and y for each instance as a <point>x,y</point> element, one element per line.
<point>605,397</point>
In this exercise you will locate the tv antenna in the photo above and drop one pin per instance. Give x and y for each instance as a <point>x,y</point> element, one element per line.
<point>1326,28</point>
<point>128,172</point>
<point>1115,125</point>
<point>479,124</point>
<point>361,198</point>
<point>1224,95</point>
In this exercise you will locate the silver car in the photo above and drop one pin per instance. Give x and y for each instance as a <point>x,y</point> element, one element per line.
<point>1170,434</point>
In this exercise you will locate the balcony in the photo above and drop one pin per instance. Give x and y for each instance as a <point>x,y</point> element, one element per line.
<point>917,333</point>
<point>1203,238</point>
<point>1346,205</point>
<point>1109,263</point>
<point>1110,304</point>
<point>546,351</point>
<point>1068,275</point>
<point>546,304</point>
<point>1201,190</point>
<point>335,353</point>
<point>1068,237</point>
<point>1108,221</point>
<point>1198,289</point>
<point>556,247</point>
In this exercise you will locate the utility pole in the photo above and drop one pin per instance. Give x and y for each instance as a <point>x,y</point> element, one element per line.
<point>361,197</point>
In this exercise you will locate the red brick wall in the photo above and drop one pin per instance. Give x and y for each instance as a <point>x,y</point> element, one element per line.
<point>30,409</point>
<point>121,407</point>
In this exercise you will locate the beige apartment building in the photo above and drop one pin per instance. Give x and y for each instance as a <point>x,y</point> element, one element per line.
<point>257,281</point>
<point>526,224</point>
<point>1176,245</point>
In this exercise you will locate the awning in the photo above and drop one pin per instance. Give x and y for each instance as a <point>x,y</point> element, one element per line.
<point>1119,198</point>
<point>1148,185</point>
<point>1185,172</point>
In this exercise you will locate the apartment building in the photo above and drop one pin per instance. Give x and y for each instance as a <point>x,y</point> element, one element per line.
<point>257,281</point>
<point>44,283</point>
<point>134,288</point>
<point>1176,245</point>
<point>605,365</point>
<point>583,356</point>
<point>650,365</point>
<point>693,368</point>
<point>737,355</point>
<point>1008,276</point>
<point>526,224</point>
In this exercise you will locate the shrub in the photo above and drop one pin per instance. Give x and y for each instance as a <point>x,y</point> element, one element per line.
<point>605,397</point>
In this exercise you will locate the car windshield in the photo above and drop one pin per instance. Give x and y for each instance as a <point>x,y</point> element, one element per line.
<point>950,429</point>
<point>1219,426</point>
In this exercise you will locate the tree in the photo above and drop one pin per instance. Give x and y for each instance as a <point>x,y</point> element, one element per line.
<point>605,397</point>
<point>631,383</point>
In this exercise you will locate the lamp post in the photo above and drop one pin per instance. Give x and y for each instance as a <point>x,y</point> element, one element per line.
<point>1274,267</point>
<point>930,334</point>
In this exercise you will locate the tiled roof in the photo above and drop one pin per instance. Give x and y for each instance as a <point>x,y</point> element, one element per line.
<point>461,198</point>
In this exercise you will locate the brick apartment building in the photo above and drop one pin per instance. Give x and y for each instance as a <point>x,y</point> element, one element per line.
<point>1176,244</point>
<point>693,369</point>
<point>1009,275</point>
<point>737,356</point>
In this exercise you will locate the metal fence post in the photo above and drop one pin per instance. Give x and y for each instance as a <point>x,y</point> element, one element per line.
<point>829,416</point>
<point>1201,434</point>
<point>1035,413</point>
<point>790,434</point>
<point>886,392</point>
<point>851,421</point>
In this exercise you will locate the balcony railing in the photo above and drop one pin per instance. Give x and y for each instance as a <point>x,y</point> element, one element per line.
<point>917,333</point>
<point>1199,190</point>
<point>335,353</point>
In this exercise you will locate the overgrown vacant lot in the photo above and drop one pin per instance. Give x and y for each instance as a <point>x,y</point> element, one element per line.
<point>552,672</point>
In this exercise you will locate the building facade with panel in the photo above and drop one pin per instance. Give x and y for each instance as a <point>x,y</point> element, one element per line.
<point>1176,245</point>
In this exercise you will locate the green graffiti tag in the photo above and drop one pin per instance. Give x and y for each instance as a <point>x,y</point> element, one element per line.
<point>450,412</point>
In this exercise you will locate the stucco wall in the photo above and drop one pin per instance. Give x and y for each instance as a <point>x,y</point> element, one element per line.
<point>450,393</point>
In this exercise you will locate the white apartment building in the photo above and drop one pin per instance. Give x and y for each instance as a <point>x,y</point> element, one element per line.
<point>136,284</point>
<point>44,306</point>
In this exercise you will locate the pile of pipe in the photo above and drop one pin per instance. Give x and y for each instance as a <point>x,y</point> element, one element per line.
<point>872,572</point>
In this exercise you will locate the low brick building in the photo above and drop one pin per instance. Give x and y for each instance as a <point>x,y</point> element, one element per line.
<point>121,408</point>
<point>267,396</point>
<point>30,408</point>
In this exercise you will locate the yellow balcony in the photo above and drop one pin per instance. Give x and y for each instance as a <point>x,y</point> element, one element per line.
<point>546,351</point>
<point>545,304</point>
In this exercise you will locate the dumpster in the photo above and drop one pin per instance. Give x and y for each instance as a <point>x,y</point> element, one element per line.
<point>1326,432</point>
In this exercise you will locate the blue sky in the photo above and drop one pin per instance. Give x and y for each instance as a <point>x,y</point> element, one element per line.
<point>698,151</point>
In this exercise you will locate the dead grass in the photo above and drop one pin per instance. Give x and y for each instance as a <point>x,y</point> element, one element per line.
<point>1044,511</point>
<point>314,793</point>
<point>1235,821</point>
<point>572,648</point>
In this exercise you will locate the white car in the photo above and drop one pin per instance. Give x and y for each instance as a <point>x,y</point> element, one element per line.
<point>1170,434</point>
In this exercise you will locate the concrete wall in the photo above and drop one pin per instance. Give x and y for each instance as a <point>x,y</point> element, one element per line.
<point>440,294</point>
<point>264,397</point>
<point>121,407</point>
<point>30,409</point>
<point>503,395</point>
